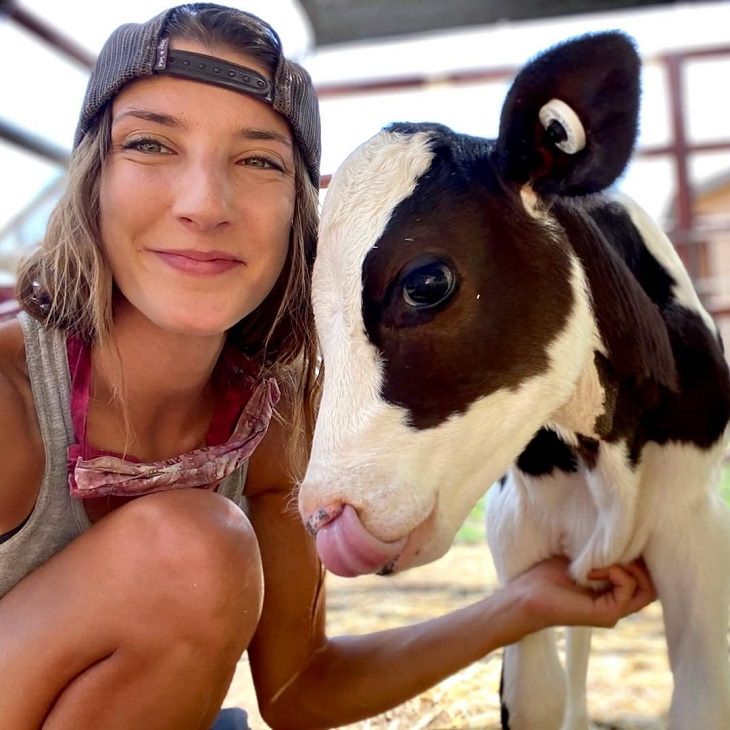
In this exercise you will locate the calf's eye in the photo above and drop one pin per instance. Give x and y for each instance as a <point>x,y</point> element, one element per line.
<point>428,285</point>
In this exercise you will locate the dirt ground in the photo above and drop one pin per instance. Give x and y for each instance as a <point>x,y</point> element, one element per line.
<point>629,683</point>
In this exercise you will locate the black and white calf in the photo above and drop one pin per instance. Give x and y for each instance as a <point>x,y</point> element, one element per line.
<point>484,307</point>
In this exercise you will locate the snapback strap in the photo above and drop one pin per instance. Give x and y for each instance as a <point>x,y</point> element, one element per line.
<point>211,70</point>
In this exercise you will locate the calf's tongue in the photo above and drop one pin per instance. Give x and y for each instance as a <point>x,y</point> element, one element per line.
<point>346,548</point>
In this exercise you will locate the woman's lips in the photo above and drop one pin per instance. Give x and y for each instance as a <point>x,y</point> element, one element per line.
<point>201,263</point>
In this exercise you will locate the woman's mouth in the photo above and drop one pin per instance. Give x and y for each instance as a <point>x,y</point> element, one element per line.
<point>200,263</point>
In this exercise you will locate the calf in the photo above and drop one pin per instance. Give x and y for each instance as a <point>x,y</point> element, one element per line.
<point>483,307</point>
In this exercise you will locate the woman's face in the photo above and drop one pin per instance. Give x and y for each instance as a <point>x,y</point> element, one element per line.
<point>196,200</point>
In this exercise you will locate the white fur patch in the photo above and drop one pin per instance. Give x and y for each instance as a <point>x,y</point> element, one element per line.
<point>587,402</point>
<point>531,202</point>
<point>368,186</point>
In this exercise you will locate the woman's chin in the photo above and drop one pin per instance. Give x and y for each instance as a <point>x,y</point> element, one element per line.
<point>204,329</point>
<point>194,325</point>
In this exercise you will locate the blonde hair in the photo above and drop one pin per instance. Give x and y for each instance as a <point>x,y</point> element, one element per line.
<point>67,284</point>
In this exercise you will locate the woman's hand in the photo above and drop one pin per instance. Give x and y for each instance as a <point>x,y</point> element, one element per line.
<point>552,598</point>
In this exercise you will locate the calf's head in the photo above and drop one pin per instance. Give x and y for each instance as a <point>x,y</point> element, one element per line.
<point>452,315</point>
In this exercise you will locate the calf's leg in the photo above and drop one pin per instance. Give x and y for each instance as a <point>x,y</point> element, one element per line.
<point>533,683</point>
<point>577,654</point>
<point>688,555</point>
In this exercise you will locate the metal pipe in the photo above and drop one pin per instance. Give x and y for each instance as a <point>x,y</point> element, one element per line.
<point>33,144</point>
<point>48,33</point>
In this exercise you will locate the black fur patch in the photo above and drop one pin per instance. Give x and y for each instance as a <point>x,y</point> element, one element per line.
<point>503,709</point>
<point>488,335</point>
<point>665,367</point>
<point>545,453</point>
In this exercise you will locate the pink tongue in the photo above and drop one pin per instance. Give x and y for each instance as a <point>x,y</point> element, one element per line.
<point>348,549</point>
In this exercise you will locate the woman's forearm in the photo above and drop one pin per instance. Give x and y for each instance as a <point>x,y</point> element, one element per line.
<point>350,678</point>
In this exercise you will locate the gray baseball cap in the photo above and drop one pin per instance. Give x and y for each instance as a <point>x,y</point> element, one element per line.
<point>138,50</point>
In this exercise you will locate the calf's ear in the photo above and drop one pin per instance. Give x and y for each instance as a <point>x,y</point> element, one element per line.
<point>569,122</point>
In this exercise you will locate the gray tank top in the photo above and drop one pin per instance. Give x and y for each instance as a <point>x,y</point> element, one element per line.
<point>57,518</point>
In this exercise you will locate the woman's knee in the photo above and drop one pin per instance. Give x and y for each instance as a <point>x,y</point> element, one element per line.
<point>191,557</point>
<point>167,583</point>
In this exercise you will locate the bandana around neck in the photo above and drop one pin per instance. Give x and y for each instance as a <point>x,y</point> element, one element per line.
<point>99,474</point>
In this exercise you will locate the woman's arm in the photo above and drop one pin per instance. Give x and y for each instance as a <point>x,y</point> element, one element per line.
<point>21,448</point>
<point>305,680</point>
<point>291,627</point>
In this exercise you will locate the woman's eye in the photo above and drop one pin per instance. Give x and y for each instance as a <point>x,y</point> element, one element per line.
<point>428,285</point>
<point>148,146</point>
<point>263,163</point>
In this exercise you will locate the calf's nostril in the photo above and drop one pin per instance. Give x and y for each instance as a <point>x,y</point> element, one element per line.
<point>321,517</point>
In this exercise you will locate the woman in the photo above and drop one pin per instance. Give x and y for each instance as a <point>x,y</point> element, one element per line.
<point>171,290</point>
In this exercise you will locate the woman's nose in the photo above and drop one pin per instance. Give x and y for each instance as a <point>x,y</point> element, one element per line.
<point>203,198</point>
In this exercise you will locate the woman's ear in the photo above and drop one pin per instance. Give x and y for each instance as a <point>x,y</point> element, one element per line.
<point>569,122</point>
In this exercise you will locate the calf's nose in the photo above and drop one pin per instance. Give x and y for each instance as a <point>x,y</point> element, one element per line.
<point>346,547</point>
<point>320,517</point>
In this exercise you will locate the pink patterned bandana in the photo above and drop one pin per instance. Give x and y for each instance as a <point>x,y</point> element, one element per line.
<point>97,474</point>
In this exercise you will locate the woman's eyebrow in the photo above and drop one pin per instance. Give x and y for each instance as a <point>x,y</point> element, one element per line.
<point>150,116</point>
<point>251,133</point>
<point>263,134</point>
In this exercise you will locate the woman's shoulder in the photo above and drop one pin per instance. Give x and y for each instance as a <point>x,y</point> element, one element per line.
<point>14,382</point>
<point>21,447</point>
<point>270,468</point>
